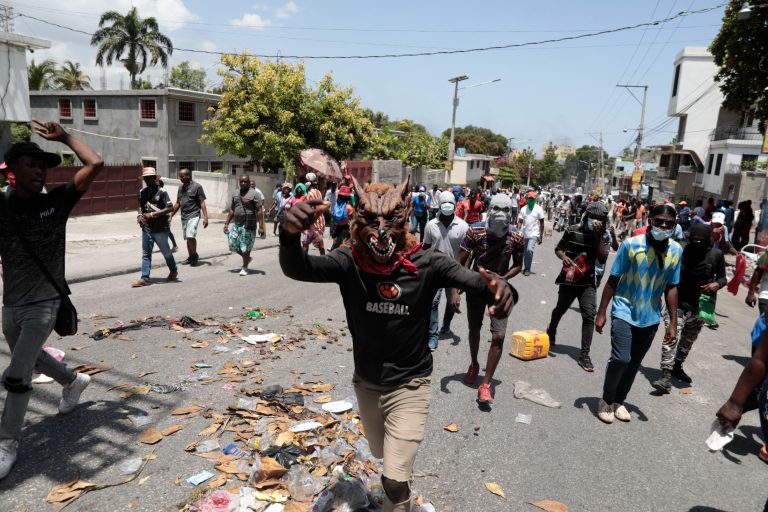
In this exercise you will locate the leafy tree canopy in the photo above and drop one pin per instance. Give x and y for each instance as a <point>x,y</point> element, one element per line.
<point>479,140</point>
<point>185,76</point>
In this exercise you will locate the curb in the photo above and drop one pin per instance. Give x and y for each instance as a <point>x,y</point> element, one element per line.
<point>131,270</point>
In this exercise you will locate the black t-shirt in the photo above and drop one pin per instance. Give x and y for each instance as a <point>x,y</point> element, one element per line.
<point>694,276</point>
<point>388,315</point>
<point>576,242</point>
<point>189,198</point>
<point>42,220</point>
<point>154,200</point>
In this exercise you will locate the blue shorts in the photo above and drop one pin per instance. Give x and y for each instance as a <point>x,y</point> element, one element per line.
<point>189,227</point>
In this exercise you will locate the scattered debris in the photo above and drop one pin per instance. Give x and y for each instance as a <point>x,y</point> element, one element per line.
<point>550,506</point>
<point>495,489</point>
<point>451,427</point>
<point>539,396</point>
<point>523,418</point>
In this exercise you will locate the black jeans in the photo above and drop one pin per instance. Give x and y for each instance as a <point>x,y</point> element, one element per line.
<point>421,220</point>
<point>565,297</point>
<point>340,235</point>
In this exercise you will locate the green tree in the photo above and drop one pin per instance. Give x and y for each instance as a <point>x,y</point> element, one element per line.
<point>740,50</point>
<point>479,140</point>
<point>268,112</point>
<point>41,76</point>
<point>132,40</point>
<point>550,170</point>
<point>71,78</point>
<point>379,119</point>
<point>185,76</point>
<point>140,83</point>
<point>20,132</point>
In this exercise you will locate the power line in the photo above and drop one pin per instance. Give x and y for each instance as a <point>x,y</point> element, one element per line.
<point>681,14</point>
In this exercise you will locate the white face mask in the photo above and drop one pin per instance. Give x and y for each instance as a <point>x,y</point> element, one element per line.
<point>661,234</point>
<point>447,209</point>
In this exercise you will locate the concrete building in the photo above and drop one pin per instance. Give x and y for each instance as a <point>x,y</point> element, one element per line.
<point>158,127</point>
<point>561,151</point>
<point>470,169</point>
<point>712,142</point>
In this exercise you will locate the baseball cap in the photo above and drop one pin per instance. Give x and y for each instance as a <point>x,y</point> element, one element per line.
<point>148,171</point>
<point>718,218</point>
<point>447,197</point>
<point>597,209</point>
<point>33,150</point>
<point>344,191</point>
<point>530,195</point>
<point>422,188</point>
<point>311,177</point>
<point>683,203</point>
<point>287,185</point>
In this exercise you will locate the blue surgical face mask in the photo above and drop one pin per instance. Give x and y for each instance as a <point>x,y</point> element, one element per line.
<point>447,209</point>
<point>660,235</point>
<point>590,224</point>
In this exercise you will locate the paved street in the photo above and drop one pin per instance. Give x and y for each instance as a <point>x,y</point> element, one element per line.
<point>658,462</point>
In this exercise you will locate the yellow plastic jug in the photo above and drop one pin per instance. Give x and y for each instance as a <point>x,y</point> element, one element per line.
<point>530,344</point>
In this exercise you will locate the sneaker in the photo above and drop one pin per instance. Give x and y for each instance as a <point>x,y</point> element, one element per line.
<point>621,412</point>
<point>175,248</point>
<point>243,271</point>
<point>471,376</point>
<point>527,273</point>
<point>445,332</point>
<point>552,336</point>
<point>763,454</point>
<point>8,449</point>
<point>664,384</point>
<point>605,412</point>
<point>193,260</point>
<point>679,373</point>
<point>140,283</point>
<point>172,276</point>
<point>70,395</point>
<point>432,345</point>
<point>484,394</point>
<point>586,363</point>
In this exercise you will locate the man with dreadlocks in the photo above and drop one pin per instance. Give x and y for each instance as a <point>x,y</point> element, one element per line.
<point>387,282</point>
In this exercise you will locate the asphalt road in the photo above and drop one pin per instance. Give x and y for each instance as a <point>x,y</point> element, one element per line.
<point>658,462</point>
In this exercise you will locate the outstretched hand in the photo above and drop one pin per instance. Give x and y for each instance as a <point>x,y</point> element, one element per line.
<point>49,131</point>
<point>502,294</point>
<point>302,215</point>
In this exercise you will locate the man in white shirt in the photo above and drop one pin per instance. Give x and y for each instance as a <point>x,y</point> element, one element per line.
<point>531,220</point>
<point>444,233</point>
<point>434,198</point>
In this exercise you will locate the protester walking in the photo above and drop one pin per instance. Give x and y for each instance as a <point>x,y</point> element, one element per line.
<point>190,199</point>
<point>702,274</point>
<point>434,201</point>
<point>420,202</point>
<point>444,233</point>
<point>489,245</point>
<point>246,210</point>
<point>154,212</point>
<point>32,247</point>
<point>314,235</point>
<point>171,238</point>
<point>646,267</point>
<point>341,213</point>
<point>531,220</point>
<point>743,224</point>
<point>582,247</point>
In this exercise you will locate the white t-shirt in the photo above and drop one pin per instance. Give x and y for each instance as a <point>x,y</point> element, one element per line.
<point>531,220</point>
<point>763,290</point>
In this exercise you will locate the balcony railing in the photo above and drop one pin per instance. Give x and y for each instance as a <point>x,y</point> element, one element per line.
<point>737,133</point>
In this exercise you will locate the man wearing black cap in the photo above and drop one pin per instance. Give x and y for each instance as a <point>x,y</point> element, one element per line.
<point>582,246</point>
<point>33,221</point>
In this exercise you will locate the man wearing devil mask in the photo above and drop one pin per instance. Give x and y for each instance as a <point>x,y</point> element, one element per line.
<point>387,282</point>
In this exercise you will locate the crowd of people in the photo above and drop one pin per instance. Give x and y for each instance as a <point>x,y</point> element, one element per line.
<point>668,268</point>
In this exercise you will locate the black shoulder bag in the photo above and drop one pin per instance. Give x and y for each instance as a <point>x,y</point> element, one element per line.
<point>66,318</point>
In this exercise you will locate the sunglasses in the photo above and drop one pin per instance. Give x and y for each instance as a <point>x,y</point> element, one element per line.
<point>663,222</point>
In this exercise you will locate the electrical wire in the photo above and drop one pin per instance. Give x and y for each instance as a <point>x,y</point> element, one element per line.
<point>679,15</point>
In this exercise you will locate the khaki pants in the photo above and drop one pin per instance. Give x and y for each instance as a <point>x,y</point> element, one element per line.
<point>394,420</point>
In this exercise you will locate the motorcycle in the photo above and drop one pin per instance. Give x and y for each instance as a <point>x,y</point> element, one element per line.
<point>561,222</point>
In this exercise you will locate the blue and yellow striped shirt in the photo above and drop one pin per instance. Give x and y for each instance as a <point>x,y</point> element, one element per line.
<point>637,299</point>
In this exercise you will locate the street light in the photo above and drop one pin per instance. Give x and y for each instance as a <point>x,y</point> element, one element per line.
<point>746,10</point>
<point>451,145</point>
<point>455,81</point>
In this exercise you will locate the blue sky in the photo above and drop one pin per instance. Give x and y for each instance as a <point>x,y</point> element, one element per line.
<point>556,91</point>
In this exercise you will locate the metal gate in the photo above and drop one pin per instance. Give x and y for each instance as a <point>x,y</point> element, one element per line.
<point>115,189</point>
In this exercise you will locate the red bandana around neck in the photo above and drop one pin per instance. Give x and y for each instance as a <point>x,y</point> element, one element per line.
<point>384,269</point>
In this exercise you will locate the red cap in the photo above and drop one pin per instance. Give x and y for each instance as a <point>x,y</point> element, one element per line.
<point>344,191</point>
<point>531,195</point>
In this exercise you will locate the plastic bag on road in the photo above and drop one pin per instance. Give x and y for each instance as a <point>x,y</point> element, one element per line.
<point>286,455</point>
<point>525,390</point>
<point>300,483</point>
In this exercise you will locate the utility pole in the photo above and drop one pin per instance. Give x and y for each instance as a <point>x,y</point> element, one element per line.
<point>603,187</point>
<point>451,144</point>
<point>642,114</point>
<point>528,183</point>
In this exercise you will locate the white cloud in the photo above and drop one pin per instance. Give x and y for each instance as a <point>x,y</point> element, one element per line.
<point>288,10</point>
<point>207,46</point>
<point>252,21</point>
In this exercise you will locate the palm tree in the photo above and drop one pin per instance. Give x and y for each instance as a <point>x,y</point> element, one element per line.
<point>71,78</point>
<point>41,76</point>
<point>132,40</point>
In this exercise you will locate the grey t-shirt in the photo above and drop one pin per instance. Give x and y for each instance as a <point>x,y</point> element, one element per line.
<point>246,206</point>
<point>42,220</point>
<point>189,198</point>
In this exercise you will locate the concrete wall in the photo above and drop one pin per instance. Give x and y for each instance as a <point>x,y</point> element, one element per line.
<point>388,171</point>
<point>219,188</point>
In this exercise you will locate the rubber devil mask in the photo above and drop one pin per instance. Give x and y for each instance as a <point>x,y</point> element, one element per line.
<point>379,225</point>
<point>499,215</point>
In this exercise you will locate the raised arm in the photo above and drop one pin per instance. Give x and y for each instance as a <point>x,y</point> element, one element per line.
<point>92,163</point>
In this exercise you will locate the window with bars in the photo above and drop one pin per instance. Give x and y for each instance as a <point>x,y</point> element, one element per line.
<point>187,165</point>
<point>89,108</point>
<point>217,166</point>
<point>718,164</point>
<point>65,108</point>
<point>147,162</point>
<point>186,111</point>
<point>148,109</point>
